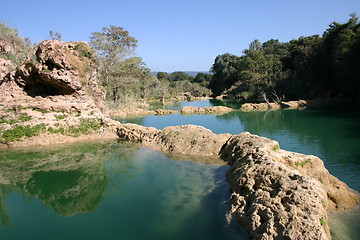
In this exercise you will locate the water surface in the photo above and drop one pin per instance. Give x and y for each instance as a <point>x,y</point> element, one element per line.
<point>110,191</point>
<point>333,134</point>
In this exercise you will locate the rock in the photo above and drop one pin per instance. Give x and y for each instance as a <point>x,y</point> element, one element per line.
<point>188,139</point>
<point>276,194</point>
<point>165,112</point>
<point>59,79</point>
<point>188,110</point>
<point>5,67</point>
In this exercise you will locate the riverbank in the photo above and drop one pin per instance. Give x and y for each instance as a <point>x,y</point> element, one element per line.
<point>275,193</point>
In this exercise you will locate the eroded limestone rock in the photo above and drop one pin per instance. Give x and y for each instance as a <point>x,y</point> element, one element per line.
<point>276,194</point>
<point>188,110</point>
<point>188,139</point>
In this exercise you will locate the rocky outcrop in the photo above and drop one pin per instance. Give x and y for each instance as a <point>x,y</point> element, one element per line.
<point>5,67</point>
<point>188,139</point>
<point>276,194</point>
<point>56,86</point>
<point>300,104</point>
<point>189,110</point>
<point>57,70</point>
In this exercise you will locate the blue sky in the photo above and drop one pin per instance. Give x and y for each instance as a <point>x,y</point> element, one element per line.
<point>179,35</point>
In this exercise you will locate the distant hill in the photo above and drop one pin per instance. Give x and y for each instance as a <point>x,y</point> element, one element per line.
<point>190,73</point>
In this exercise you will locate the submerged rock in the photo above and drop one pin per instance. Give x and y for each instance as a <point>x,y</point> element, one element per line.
<point>276,194</point>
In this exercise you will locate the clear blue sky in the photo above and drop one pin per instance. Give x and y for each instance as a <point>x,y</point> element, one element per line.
<point>179,35</point>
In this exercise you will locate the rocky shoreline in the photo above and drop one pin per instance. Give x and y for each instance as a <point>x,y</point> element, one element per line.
<point>276,194</point>
<point>53,97</point>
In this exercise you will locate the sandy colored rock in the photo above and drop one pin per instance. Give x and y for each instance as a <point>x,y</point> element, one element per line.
<point>277,194</point>
<point>189,110</point>
<point>165,112</point>
<point>5,67</point>
<point>188,139</point>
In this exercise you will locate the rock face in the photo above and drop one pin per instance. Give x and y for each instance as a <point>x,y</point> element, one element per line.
<point>57,82</point>
<point>57,69</point>
<point>276,194</point>
<point>5,67</point>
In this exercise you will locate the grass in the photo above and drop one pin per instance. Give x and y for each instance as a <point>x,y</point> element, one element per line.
<point>78,114</point>
<point>59,117</point>
<point>86,126</point>
<point>40,110</point>
<point>322,222</point>
<point>276,148</point>
<point>303,163</point>
<point>24,118</point>
<point>18,132</point>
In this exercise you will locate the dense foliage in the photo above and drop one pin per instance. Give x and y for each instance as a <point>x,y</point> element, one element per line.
<point>308,67</point>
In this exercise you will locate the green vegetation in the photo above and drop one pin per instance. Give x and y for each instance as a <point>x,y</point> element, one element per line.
<point>24,118</point>
<point>86,126</point>
<point>13,47</point>
<point>277,148</point>
<point>59,117</point>
<point>125,77</point>
<point>308,67</point>
<point>303,163</point>
<point>18,132</point>
<point>322,222</point>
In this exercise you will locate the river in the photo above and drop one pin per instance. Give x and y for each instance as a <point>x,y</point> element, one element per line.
<point>109,190</point>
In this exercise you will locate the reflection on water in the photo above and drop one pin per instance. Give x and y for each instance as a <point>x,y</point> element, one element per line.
<point>331,134</point>
<point>110,191</point>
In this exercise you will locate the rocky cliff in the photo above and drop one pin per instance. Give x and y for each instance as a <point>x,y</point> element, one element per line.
<point>55,85</point>
<point>276,194</point>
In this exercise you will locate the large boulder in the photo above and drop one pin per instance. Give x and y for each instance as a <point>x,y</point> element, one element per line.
<point>57,77</point>
<point>278,194</point>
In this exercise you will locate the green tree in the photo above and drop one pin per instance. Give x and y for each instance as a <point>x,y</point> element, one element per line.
<point>179,76</point>
<point>163,76</point>
<point>225,69</point>
<point>114,45</point>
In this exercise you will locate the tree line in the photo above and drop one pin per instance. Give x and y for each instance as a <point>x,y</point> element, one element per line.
<point>307,67</point>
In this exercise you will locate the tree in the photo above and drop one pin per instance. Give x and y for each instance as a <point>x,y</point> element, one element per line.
<point>225,71</point>
<point>55,36</point>
<point>113,45</point>
<point>163,76</point>
<point>179,76</point>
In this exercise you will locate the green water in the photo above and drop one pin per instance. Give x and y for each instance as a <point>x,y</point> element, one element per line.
<point>331,134</point>
<point>110,191</point>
